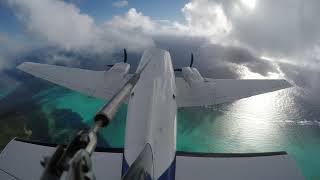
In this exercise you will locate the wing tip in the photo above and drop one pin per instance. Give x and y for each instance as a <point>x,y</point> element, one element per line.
<point>287,84</point>
<point>22,66</point>
<point>25,66</point>
<point>282,83</point>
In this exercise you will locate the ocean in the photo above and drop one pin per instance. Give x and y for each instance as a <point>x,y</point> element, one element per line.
<point>277,121</point>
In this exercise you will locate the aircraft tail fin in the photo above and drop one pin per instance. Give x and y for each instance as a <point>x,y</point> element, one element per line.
<point>142,167</point>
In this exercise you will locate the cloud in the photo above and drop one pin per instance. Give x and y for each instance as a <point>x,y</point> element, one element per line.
<point>262,27</point>
<point>206,18</point>
<point>66,27</point>
<point>202,20</point>
<point>3,63</point>
<point>120,3</point>
<point>10,48</point>
<point>220,22</point>
<point>132,20</point>
<point>286,30</point>
<point>213,60</point>
<point>224,35</point>
<point>266,29</point>
<point>305,78</point>
<point>9,45</point>
<point>127,31</point>
<point>219,61</point>
<point>58,23</point>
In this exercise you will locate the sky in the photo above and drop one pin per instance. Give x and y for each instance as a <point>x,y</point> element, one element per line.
<point>230,38</point>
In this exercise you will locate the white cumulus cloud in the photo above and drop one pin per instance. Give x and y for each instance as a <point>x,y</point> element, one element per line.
<point>56,22</point>
<point>120,4</point>
<point>62,24</point>
<point>206,18</point>
<point>132,20</point>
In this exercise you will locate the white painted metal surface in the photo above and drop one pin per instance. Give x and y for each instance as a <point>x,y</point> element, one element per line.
<point>151,119</point>
<point>152,112</point>
<point>22,160</point>
<point>279,167</point>
<point>217,91</point>
<point>100,84</point>
<point>191,75</point>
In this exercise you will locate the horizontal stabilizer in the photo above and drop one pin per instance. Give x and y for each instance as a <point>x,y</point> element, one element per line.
<point>21,160</point>
<point>248,166</point>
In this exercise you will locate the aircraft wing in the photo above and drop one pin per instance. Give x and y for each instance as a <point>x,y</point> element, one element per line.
<point>217,91</point>
<point>21,160</point>
<point>248,166</point>
<point>100,84</point>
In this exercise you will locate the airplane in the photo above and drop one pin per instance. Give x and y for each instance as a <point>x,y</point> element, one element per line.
<point>150,136</point>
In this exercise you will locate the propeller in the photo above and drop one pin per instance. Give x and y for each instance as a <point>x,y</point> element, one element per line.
<point>191,63</point>
<point>125,57</point>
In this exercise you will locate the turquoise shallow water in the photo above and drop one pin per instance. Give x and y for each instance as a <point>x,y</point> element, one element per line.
<point>5,92</point>
<point>270,122</point>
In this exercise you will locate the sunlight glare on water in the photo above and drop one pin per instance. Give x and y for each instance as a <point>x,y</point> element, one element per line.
<point>257,121</point>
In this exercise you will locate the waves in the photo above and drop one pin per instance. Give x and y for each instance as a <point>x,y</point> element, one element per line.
<point>300,123</point>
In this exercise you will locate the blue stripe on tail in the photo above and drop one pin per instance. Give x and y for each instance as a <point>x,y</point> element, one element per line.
<point>125,166</point>
<point>170,173</point>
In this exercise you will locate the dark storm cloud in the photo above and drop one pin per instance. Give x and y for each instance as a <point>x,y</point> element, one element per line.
<point>180,47</point>
<point>213,56</point>
<point>213,60</point>
<point>305,78</point>
<point>261,66</point>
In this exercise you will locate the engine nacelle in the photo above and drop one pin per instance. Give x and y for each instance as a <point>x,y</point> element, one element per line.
<point>191,75</point>
<point>122,68</point>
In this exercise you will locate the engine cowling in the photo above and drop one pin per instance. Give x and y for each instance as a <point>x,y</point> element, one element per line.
<point>191,75</point>
<point>122,68</point>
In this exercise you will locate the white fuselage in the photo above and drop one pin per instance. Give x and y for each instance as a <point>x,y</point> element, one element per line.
<point>152,112</point>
